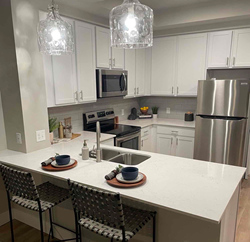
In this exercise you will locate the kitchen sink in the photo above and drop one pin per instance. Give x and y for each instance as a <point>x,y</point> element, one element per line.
<point>129,159</point>
<point>120,157</point>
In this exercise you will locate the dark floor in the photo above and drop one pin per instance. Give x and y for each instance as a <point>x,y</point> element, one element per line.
<point>23,233</point>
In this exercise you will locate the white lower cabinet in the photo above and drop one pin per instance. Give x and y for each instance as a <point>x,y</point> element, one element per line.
<point>164,144</point>
<point>146,139</point>
<point>175,141</point>
<point>184,147</point>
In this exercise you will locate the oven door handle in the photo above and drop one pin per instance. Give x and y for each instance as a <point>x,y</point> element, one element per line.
<point>128,137</point>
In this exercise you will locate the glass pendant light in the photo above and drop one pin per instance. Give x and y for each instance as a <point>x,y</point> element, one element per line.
<point>55,36</point>
<point>131,25</point>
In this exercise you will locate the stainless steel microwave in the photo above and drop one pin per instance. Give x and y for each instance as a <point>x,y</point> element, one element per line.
<point>111,83</point>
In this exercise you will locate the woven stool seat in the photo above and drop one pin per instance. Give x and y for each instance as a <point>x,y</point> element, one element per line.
<point>49,195</point>
<point>104,213</point>
<point>135,219</point>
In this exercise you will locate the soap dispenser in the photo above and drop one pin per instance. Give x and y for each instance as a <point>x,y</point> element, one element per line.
<point>85,151</point>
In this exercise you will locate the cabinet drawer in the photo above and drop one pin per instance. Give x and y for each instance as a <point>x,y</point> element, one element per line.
<point>145,131</point>
<point>175,131</point>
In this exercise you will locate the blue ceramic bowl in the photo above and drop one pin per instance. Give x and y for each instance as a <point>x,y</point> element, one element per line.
<point>130,173</point>
<point>62,160</point>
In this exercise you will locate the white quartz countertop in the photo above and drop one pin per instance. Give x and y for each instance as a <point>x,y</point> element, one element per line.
<point>159,121</point>
<point>195,188</point>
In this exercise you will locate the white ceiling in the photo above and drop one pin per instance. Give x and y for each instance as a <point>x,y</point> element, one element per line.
<point>103,7</point>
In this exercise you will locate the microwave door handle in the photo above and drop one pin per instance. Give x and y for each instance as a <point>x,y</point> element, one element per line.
<point>125,81</point>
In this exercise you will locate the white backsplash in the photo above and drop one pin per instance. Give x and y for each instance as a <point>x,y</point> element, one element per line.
<point>178,106</point>
<point>76,111</point>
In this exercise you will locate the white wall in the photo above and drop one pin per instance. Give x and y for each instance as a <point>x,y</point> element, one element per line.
<point>3,144</point>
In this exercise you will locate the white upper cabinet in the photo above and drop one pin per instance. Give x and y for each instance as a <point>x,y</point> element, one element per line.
<point>85,53</point>
<point>118,58</point>
<point>140,71</point>
<point>241,48</point>
<point>103,49</point>
<point>219,49</point>
<point>107,57</point>
<point>64,77</point>
<point>191,63</point>
<point>130,67</point>
<point>163,66</point>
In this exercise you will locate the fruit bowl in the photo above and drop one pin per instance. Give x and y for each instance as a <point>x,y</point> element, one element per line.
<point>144,110</point>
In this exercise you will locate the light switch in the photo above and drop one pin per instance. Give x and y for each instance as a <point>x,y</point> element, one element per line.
<point>122,112</point>
<point>40,135</point>
<point>168,111</point>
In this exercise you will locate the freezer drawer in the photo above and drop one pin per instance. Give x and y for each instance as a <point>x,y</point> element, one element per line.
<point>220,140</point>
<point>223,98</point>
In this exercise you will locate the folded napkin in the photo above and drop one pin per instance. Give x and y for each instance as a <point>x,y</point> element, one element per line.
<point>114,173</point>
<point>48,162</point>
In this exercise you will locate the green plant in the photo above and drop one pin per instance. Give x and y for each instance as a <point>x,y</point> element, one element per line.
<point>53,124</point>
<point>155,110</point>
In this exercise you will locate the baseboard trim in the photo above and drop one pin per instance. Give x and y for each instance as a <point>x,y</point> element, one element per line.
<point>4,218</point>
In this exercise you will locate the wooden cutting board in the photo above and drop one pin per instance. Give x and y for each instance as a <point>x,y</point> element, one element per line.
<point>52,168</point>
<point>115,183</point>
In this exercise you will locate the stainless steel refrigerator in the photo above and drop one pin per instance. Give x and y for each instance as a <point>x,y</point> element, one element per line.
<point>221,132</point>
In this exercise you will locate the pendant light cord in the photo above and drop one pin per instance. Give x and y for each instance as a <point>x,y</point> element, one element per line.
<point>53,8</point>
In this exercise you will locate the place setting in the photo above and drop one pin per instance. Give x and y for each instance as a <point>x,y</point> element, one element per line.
<point>126,177</point>
<point>59,163</point>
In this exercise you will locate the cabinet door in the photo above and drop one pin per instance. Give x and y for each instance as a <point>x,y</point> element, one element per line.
<point>184,147</point>
<point>103,48</point>
<point>163,66</point>
<point>219,48</point>
<point>165,144</point>
<point>117,58</point>
<point>64,76</point>
<point>241,48</point>
<point>191,63</point>
<point>140,71</point>
<point>146,143</point>
<point>85,52</point>
<point>130,67</point>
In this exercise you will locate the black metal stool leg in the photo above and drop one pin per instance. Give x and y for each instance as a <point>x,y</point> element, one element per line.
<point>77,227</point>
<point>41,221</point>
<point>51,225</point>
<point>80,227</point>
<point>11,221</point>
<point>154,228</point>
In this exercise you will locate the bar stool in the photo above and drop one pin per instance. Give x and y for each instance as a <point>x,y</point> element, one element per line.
<point>104,213</point>
<point>21,189</point>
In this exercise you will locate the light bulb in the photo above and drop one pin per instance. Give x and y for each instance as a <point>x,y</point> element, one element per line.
<point>130,22</point>
<point>56,35</point>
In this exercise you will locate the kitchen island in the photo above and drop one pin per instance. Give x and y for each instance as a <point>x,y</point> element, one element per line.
<point>196,201</point>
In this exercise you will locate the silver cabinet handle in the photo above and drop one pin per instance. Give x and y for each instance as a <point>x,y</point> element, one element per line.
<point>76,96</point>
<point>177,90</point>
<point>134,91</point>
<point>142,143</point>
<point>137,90</point>
<point>81,95</point>
<point>173,90</point>
<point>227,61</point>
<point>110,62</point>
<point>177,141</point>
<point>174,131</point>
<point>234,60</point>
<point>114,62</point>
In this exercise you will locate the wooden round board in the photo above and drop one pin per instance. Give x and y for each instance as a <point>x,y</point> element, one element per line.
<point>52,168</point>
<point>115,183</point>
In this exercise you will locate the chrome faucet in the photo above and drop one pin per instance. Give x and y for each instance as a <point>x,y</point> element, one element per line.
<point>98,136</point>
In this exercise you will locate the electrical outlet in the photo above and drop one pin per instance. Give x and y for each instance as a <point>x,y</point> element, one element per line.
<point>40,135</point>
<point>122,112</point>
<point>19,138</point>
<point>168,111</point>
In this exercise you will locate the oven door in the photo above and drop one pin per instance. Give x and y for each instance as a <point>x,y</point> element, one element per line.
<point>131,141</point>
<point>111,83</point>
